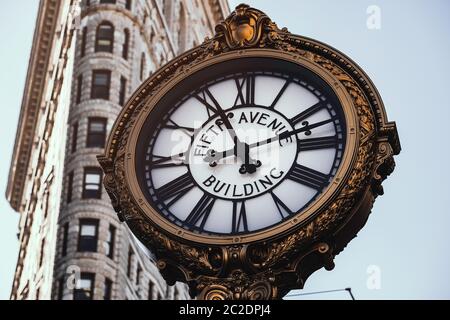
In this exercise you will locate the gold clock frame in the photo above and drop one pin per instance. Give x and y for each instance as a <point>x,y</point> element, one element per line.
<point>266,264</point>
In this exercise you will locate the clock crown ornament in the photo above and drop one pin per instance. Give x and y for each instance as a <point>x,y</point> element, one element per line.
<point>251,228</point>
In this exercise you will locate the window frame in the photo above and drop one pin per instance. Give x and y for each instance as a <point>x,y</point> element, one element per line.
<point>96,139</point>
<point>74,140</point>
<point>129,5</point>
<point>65,235</point>
<point>70,180</point>
<point>104,37</point>
<point>138,274</point>
<point>96,194</point>
<point>122,90</point>
<point>143,66</point>
<point>126,44</point>
<point>88,243</point>
<point>78,291</point>
<point>151,288</point>
<point>107,289</point>
<point>130,261</point>
<point>60,292</point>
<point>79,89</point>
<point>112,242</point>
<point>83,41</point>
<point>101,91</point>
<point>42,252</point>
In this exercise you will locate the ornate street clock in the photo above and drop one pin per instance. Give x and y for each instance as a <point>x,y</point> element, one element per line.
<point>250,161</point>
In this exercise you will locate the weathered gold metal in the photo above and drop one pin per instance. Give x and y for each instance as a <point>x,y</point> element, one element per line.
<point>266,264</point>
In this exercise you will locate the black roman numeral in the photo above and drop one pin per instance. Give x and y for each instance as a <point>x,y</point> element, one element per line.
<point>175,126</point>
<point>247,97</point>
<point>280,93</point>
<point>159,162</point>
<point>201,211</point>
<point>317,143</point>
<point>308,177</point>
<point>308,112</point>
<point>283,209</point>
<point>239,222</point>
<point>250,92</point>
<point>240,99</point>
<point>202,96</point>
<point>175,189</point>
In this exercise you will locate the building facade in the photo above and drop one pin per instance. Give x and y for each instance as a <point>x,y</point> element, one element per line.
<point>86,60</point>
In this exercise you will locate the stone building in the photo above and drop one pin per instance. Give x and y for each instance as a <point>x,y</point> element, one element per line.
<point>86,60</point>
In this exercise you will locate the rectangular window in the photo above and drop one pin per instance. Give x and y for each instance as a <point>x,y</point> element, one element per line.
<point>101,81</point>
<point>83,39</point>
<point>69,187</point>
<point>88,235</point>
<point>138,274</point>
<point>107,290</point>
<point>74,137</point>
<point>92,183</point>
<point>85,287</point>
<point>126,44</point>
<point>46,203</point>
<point>130,261</point>
<point>79,88</point>
<point>96,136</point>
<point>65,239</point>
<point>128,4</point>
<point>142,68</point>
<point>104,41</point>
<point>60,288</point>
<point>108,1</point>
<point>123,89</point>
<point>41,256</point>
<point>150,290</point>
<point>110,241</point>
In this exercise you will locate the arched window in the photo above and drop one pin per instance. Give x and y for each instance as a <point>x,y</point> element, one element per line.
<point>105,38</point>
<point>126,43</point>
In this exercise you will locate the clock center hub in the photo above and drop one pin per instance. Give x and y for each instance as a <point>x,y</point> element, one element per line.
<point>222,149</point>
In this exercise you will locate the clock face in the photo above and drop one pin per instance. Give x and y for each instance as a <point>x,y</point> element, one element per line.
<point>240,146</point>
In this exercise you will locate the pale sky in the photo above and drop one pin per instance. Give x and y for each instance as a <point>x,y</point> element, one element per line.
<point>406,237</point>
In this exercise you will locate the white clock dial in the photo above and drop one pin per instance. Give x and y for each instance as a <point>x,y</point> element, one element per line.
<point>252,125</point>
<point>243,151</point>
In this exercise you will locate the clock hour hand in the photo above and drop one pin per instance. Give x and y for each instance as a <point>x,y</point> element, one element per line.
<point>249,165</point>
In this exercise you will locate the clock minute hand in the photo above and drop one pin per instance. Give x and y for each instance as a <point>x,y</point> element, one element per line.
<point>213,156</point>
<point>287,134</point>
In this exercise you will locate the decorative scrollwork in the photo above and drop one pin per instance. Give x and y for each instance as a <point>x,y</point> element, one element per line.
<point>243,28</point>
<point>216,292</point>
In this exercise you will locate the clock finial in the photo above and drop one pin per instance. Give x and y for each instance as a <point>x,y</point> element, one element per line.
<point>245,27</point>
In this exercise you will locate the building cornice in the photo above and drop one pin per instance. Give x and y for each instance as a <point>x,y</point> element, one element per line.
<point>32,97</point>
